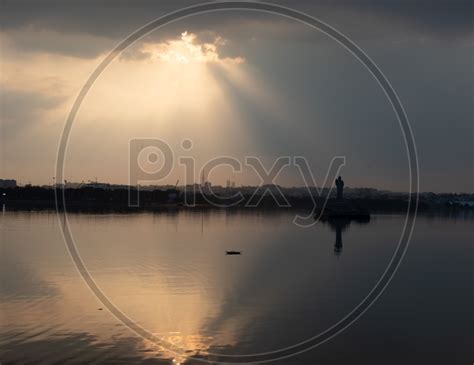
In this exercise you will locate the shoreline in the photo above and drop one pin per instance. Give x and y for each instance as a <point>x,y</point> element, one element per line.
<point>400,207</point>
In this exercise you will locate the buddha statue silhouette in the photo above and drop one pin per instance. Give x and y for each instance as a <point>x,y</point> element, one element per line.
<point>340,187</point>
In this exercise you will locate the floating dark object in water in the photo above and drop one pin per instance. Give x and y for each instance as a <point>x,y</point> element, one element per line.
<point>233,252</point>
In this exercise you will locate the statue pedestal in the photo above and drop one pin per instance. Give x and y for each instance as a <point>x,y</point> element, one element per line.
<point>342,209</point>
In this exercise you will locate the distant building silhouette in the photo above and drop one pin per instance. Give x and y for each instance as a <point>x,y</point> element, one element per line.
<point>7,183</point>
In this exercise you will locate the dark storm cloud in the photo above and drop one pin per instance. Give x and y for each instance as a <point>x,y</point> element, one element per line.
<point>441,17</point>
<point>103,18</point>
<point>96,26</point>
<point>117,18</point>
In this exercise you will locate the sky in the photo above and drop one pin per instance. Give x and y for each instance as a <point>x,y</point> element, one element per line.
<point>239,83</point>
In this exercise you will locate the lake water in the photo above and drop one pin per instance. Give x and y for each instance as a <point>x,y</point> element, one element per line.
<point>168,272</point>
